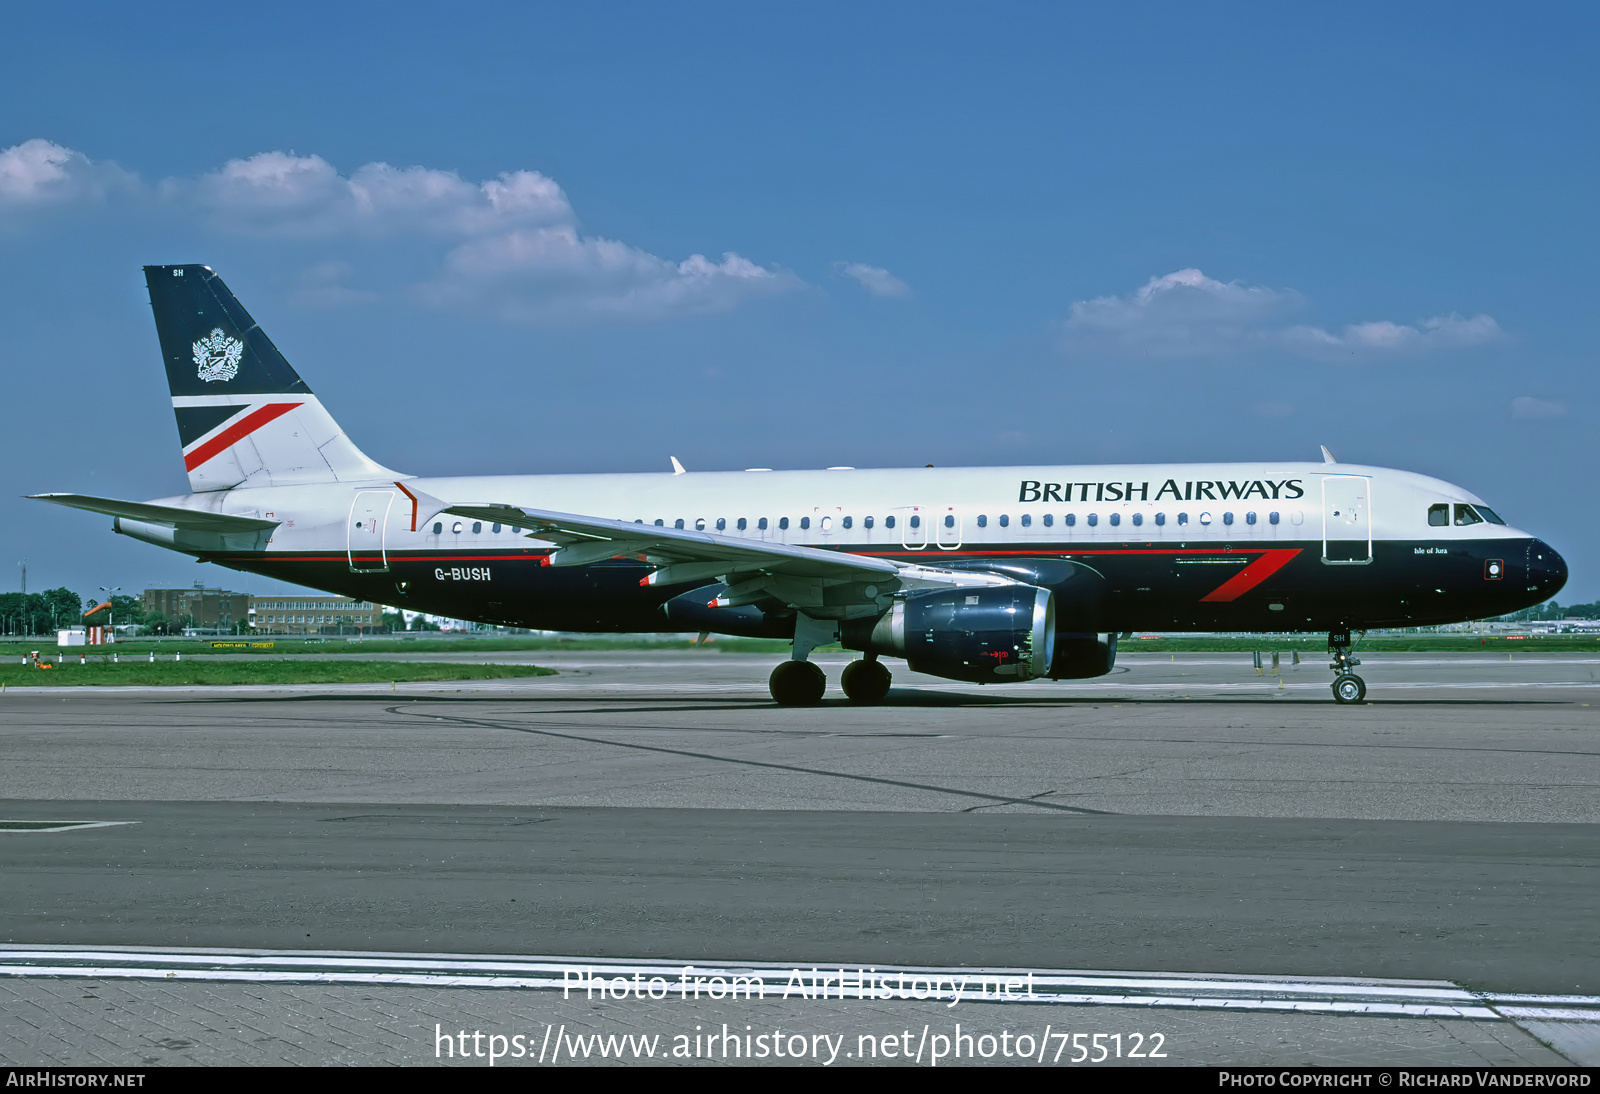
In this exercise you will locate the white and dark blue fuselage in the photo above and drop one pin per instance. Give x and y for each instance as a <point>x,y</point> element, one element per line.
<point>981,574</point>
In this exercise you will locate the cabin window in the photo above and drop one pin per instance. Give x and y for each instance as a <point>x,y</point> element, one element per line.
<point>1272,518</point>
<point>678,523</point>
<point>700,524</point>
<point>722,523</point>
<point>1138,519</point>
<point>742,524</point>
<point>867,523</point>
<point>1489,515</point>
<point>1070,519</point>
<point>660,523</point>
<point>1439,516</point>
<point>783,524</point>
<point>456,528</point>
<point>1183,518</point>
<point>845,523</point>
<point>495,529</point>
<point>1161,518</point>
<point>888,521</point>
<point>1297,517</point>
<point>761,524</point>
<point>1227,518</point>
<point>949,521</point>
<point>477,527</point>
<point>916,521</point>
<point>983,520</point>
<point>1094,519</point>
<point>805,522</point>
<point>1027,520</point>
<point>1249,518</point>
<point>1116,519</point>
<point>1049,519</point>
<point>1205,518</point>
<point>1005,520</point>
<point>1465,516</point>
<point>437,528</point>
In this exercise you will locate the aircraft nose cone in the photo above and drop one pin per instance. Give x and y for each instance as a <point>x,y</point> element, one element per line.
<point>1546,569</point>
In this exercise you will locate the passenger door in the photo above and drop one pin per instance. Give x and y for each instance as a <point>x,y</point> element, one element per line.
<point>1346,519</point>
<point>369,515</point>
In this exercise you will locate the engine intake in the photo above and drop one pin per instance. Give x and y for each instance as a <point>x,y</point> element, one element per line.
<point>988,635</point>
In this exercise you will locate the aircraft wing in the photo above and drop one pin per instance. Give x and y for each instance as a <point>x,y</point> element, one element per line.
<point>581,540</point>
<point>194,520</point>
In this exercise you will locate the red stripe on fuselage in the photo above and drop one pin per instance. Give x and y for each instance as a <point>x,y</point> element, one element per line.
<point>1252,575</point>
<point>235,433</point>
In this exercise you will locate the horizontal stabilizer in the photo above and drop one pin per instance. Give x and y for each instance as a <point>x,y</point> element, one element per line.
<point>196,520</point>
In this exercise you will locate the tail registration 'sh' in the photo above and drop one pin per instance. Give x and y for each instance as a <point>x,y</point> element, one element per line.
<point>245,417</point>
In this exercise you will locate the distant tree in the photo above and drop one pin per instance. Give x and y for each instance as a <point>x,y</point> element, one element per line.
<point>127,609</point>
<point>155,623</point>
<point>394,621</point>
<point>63,606</point>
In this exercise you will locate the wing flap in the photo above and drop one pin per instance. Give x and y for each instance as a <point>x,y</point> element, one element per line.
<point>587,535</point>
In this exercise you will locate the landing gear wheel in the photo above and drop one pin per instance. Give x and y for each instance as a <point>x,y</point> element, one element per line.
<point>1349,688</point>
<point>797,684</point>
<point>865,682</point>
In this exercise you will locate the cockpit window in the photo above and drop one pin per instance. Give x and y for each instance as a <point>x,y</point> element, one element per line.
<point>1439,516</point>
<point>1488,514</point>
<point>1465,516</point>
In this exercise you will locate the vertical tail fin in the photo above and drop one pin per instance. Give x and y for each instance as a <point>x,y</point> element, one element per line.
<point>245,417</point>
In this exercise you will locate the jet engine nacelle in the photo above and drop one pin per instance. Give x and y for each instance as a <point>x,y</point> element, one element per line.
<point>989,635</point>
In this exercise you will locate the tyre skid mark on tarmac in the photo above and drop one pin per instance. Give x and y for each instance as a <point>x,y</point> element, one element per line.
<point>990,799</point>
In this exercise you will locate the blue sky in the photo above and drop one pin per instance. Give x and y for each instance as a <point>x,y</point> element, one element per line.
<point>521,238</point>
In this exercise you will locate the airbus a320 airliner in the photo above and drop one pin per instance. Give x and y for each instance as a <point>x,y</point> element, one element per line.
<point>985,575</point>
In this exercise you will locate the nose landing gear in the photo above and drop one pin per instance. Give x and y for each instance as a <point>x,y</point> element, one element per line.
<point>1347,686</point>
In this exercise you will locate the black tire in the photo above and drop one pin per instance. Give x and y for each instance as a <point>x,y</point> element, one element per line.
<point>865,682</point>
<point>797,684</point>
<point>1349,688</point>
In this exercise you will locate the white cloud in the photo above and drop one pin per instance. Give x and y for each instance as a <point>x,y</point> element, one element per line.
<point>40,174</point>
<point>557,275</point>
<point>1527,408</point>
<point>1187,314</point>
<point>516,251</point>
<point>875,279</point>
<point>280,193</point>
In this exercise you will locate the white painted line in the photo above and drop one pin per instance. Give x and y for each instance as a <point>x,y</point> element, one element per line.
<point>65,826</point>
<point>1058,987</point>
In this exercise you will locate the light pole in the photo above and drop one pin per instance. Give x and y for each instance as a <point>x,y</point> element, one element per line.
<point>111,612</point>
<point>24,565</point>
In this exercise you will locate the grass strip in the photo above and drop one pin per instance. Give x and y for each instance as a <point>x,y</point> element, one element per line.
<point>208,672</point>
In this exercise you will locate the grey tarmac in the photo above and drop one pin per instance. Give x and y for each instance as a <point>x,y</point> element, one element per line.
<point>1183,815</point>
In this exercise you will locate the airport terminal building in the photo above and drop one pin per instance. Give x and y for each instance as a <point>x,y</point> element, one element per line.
<point>296,613</point>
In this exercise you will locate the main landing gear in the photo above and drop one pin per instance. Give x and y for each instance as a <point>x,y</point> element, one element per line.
<point>798,683</point>
<point>865,681</point>
<point>1347,686</point>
